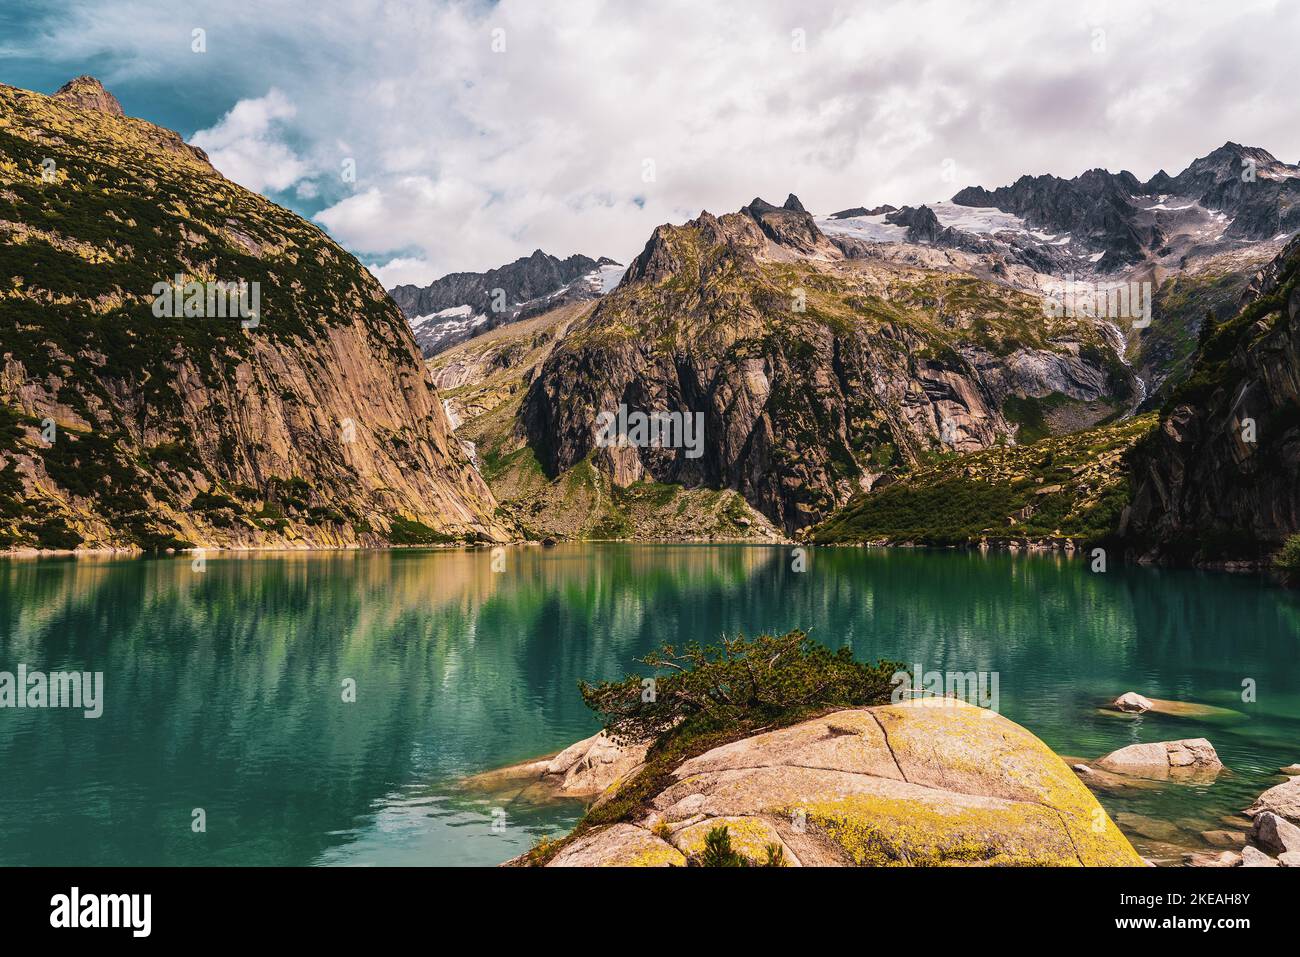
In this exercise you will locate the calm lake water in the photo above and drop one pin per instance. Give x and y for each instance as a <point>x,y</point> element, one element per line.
<point>223,690</point>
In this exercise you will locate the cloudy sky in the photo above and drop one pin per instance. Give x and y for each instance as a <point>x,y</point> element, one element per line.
<point>481,131</point>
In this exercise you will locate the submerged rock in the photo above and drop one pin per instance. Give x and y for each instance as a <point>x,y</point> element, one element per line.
<point>1131,703</point>
<point>1108,782</point>
<point>1224,838</point>
<point>1190,757</point>
<point>1211,859</point>
<point>927,782</point>
<point>1149,827</point>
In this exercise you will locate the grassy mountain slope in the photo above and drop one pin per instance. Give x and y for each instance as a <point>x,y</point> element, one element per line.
<point>1165,351</point>
<point>816,375</point>
<point>317,426</point>
<point>1071,487</point>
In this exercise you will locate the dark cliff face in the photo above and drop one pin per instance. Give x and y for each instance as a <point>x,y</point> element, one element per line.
<point>863,211</point>
<point>527,286</point>
<point>1219,480</point>
<point>1095,207</point>
<point>812,375</point>
<point>789,225</point>
<point>1257,191</point>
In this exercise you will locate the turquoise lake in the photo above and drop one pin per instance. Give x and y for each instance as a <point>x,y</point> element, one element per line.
<point>223,689</point>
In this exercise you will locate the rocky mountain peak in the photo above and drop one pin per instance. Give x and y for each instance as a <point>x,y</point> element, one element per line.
<point>922,224</point>
<point>668,251</point>
<point>1130,182</point>
<point>1239,193</point>
<point>790,225</point>
<point>1238,150</point>
<point>87,93</point>
<point>748,234</point>
<point>1227,162</point>
<point>461,305</point>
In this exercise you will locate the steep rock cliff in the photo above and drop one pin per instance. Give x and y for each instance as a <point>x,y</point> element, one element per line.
<point>814,375</point>
<point>1219,480</point>
<point>311,423</point>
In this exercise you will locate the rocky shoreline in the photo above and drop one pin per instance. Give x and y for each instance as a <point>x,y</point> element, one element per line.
<point>931,781</point>
<point>924,782</point>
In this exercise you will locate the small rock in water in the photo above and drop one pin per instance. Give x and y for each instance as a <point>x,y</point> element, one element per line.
<point>1132,702</point>
<point>1275,834</point>
<point>1083,769</point>
<point>1290,769</point>
<point>1224,838</point>
<point>1254,857</point>
<point>1210,859</point>
<point>1162,759</point>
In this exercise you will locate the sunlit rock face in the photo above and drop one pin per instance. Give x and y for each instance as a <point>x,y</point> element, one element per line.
<point>148,405</point>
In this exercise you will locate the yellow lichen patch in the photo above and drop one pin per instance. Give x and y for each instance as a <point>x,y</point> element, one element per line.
<point>663,855</point>
<point>750,836</point>
<point>881,831</point>
<point>619,845</point>
<point>19,233</point>
<point>974,751</point>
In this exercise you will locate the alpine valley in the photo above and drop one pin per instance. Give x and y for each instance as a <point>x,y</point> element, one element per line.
<point>874,374</point>
<point>761,489</point>
<point>896,375</point>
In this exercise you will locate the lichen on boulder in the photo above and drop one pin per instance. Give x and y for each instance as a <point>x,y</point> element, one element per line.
<point>619,845</point>
<point>927,782</point>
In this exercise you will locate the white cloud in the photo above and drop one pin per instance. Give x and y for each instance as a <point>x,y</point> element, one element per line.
<point>247,146</point>
<point>401,271</point>
<point>468,158</point>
